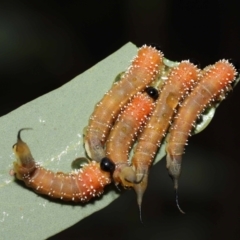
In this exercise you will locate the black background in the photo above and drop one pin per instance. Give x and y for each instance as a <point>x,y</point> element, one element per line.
<point>44,45</point>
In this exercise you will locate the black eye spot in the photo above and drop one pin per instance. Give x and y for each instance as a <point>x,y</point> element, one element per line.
<point>107,165</point>
<point>152,92</point>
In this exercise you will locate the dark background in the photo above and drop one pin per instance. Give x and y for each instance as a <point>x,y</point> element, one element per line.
<point>44,45</point>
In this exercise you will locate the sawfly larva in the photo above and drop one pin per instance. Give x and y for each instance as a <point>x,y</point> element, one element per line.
<point>214,81</point>
<point>78,186</point>
<point>125,131</point>
<point>144,69</point>
<point>181,80</point>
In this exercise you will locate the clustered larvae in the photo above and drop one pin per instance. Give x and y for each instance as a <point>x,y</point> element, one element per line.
<point>144,69</point>
<point>214,80</point>
<point>124,133</point>
<point>181,80</point>
<point>132,112</point>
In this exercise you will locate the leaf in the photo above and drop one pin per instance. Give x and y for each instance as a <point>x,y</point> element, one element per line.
<point>57,119</point>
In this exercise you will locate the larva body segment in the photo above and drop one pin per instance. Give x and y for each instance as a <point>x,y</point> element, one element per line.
<point>181,80</point>
<point>144,69</point>
<point>123,135</point>
<point>78,186</point>
<point>214,81</point>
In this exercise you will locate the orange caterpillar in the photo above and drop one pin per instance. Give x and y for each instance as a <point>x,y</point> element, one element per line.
<point>215,81</point>
<point>181,80</point>
<point>125,132</point>
<point>86,183</point>
<point>78,186</point>
<point>144,69</point>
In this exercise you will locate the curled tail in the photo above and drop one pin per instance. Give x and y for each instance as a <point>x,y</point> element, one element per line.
<point>174,171</point>
<point>78,186</point>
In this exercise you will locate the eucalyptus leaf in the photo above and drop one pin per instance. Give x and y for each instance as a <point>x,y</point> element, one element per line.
<point>57,119</point>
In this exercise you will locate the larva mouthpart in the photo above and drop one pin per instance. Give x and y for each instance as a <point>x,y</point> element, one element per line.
<point>144,69</point>
<point>78,186</point>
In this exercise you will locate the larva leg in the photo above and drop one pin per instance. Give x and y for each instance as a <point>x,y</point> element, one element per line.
<point>180,81</point>
<point>144,69</point>
<point>124,133</point>
<point>78,186</point>
<point>214,80</point>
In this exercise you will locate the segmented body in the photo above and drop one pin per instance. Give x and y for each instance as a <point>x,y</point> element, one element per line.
<point>78,186</point>
<point>214,82</point>
<point>88,182</point>
<point>144,69</point>
<point>124,133</point>
<point>181,80</point>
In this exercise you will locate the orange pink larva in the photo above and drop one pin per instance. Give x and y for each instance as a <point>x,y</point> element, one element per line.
<point>215,80</point>
<point>78,186</point>
<point>125,131</point>
<point>144,69</point>
<point>89,181</point>
<point>181,80</point>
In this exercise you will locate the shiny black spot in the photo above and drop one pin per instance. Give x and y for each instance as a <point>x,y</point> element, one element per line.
<point>107,165</point>
<point>152,92</point>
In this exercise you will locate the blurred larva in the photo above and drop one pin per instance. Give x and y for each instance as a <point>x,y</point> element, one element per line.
<point>213,83</point>
<point>144,69</point>
<point>124,133</point>
<point>78,186</point>
<point>181,80</point>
